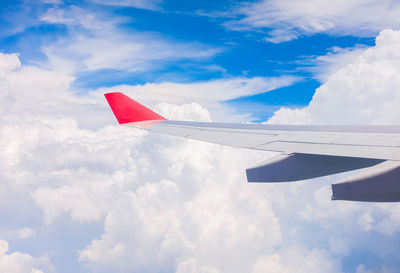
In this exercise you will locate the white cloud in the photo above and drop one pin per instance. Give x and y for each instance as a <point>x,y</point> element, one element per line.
<point>298,261</point>
<point>95,41</point>
<point>290,19</point>
<point>363,92</point>
<point>269,264</point>
<point>207,91</point>
<point>210,94</point>
<point>191,266</point>
<point>25,232</point>
<point>171,204</point>
<point>336,58</point>
<point>189,111</point>
<point>108,172</point>
<point>63,105</point>
<point>18,262</point>
<point>194,215</point>
<point>384,269</point>
<point>339,246</point>
<point>8,62</point>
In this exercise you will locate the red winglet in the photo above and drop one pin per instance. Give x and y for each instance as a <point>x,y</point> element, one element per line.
<point>126,110</point>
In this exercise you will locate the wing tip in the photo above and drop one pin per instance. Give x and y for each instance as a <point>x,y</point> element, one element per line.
<point>127,110</point>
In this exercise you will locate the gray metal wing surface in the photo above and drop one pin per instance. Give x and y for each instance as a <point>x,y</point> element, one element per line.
<point>307,151</point>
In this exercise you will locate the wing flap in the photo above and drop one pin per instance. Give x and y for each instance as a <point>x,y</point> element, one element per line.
<point>295,167</point>
<point>380,183</point>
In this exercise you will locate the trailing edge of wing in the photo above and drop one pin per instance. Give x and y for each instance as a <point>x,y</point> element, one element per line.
<point>295,167</point>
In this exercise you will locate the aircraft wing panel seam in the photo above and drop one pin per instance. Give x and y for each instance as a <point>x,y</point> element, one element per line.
<point>307,151</point>
<point>331,143</point>
<point>200,130</point>
<point>206,129</point>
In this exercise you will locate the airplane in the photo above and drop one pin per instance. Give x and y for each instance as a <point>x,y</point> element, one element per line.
<point>306,151</point>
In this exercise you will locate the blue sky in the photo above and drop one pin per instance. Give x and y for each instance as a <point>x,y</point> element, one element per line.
<point>80,194</point>
<point>200,24</point>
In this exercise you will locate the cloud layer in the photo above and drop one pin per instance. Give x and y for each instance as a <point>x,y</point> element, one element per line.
<point>168,204</point>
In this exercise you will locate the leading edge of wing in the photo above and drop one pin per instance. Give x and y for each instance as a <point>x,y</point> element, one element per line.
<point>380,142</point>
<point>308,151</point>
<point>127,110</point>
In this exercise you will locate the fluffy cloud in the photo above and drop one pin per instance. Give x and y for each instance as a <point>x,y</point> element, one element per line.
<point>9,62</point>
<point>324,66</point>
<point>166,198</point>
<point>290,19</point>
<point>298,261</point>
<point>168,204</point>
<point>18,262</point>
<point>189,111</point>
<point>191,266</point>
<point>203,212</point>
<point>363,92</point>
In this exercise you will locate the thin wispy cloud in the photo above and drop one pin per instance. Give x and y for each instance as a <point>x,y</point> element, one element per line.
<point>323,66</point>
<point>97,42</point>
<point>141,4</point>
<point>287,20</point>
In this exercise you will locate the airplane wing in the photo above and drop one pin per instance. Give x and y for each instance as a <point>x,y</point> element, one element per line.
<point>307,151</point>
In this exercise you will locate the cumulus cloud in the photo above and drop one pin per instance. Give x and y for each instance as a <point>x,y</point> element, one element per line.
<point>169,204</point>
<point>363,92</point>
<point>323,66</point>
<point>20,262</point>
<point>290,19</point>
<point>189,111</point>
<point>172,219</point>
<point>191,266</point>
<point>9,62</point>
<point>149,221</point>
<point>178,188</point>
<point>297,261</point>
